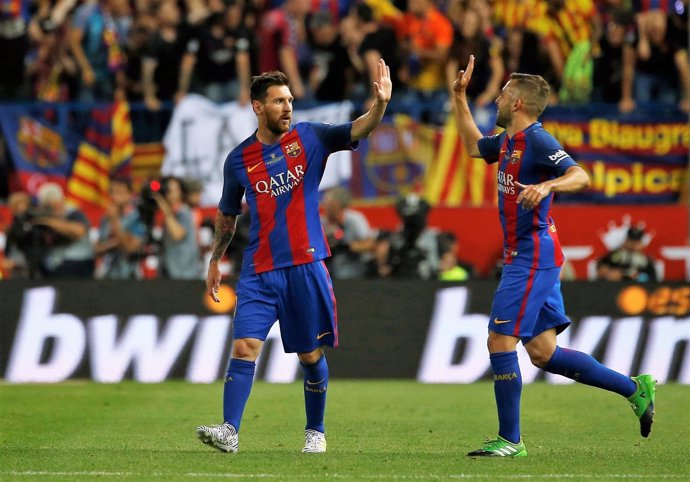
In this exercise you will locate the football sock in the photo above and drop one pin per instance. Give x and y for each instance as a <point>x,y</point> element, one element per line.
<point>238,384</point>
<point>507,389</point>
<point>315,386</point>
<point>586,369</point>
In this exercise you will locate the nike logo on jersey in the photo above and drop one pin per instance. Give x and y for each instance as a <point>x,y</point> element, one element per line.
<point>500,322</point>
<point>318,337</point>
<point>250,169</point>
<point>309,382</point>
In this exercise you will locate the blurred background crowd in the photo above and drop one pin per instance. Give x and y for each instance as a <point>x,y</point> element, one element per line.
<point>154,52</point>
<point>615,51</point>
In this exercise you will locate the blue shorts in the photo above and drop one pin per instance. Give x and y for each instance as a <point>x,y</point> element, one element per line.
<point>300,297</point>
<point>528,302</point>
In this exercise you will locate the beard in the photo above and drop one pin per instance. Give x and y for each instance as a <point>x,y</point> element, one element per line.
<point>502,119</point>
<point>276,126</point>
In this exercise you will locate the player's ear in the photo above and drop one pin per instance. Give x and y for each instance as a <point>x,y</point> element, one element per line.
<point>257,106</point>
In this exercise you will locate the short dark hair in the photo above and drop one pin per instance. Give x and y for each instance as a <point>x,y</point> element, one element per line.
<point>534,91</point>
<point>260,84</point>
<point>364,12</point>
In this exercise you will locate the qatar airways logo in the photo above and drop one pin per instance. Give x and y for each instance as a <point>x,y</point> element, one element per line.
<point>506,184</point>
<point>282,182</point>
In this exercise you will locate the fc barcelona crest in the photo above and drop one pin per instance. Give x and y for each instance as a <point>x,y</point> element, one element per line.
<point>293,150</point>
<point>515,156</point>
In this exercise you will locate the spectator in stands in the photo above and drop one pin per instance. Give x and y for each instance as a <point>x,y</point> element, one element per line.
<point>14,19</point>
<point>97,38</point>
<point>367,41</point>
<point>219,55</point>
<point>283,43</point>
<point>524,52</point>
<point>470,39</point>
<point>450,267</point>
<point>426,36</point>
<point>628,262</point>
<point>160,68</point>
<point>121,235</point>
<point>332,74</point>
<point>349,235</point>
<point>614,45</point>
<point>566,26</point>
<point>659,71</point>
<point>139,36</point>
<point>51,70</point>
<point>181,257</point>
<point>64,236</point>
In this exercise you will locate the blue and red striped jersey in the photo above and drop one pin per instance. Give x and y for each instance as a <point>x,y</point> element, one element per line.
<point>530,157</point>
<point>281,186</point>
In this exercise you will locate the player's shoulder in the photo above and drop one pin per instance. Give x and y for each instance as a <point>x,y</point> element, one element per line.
<point>238,150</point>
<point>539,137</point>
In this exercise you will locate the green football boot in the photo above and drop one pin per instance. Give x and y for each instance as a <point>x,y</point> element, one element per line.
<point>642,402</point>
<point>500,447</point>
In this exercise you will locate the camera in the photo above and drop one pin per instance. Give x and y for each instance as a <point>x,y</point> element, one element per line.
<point>147,204</point>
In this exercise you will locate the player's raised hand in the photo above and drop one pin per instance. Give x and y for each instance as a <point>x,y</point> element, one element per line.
<point>532,194</point>
<point>383,86</point>
<point>460,84</point>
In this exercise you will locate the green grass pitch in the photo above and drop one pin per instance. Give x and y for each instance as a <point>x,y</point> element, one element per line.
<point>376,430</point>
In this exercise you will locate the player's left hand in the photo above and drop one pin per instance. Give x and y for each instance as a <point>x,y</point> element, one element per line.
<point>532,194</point>
<point>213,280</point>
<point>383,86</point>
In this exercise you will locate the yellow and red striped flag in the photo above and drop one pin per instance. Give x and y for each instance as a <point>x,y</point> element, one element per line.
<point>106,151</point>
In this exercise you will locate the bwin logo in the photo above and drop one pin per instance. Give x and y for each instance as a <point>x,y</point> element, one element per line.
<point>558,156</point>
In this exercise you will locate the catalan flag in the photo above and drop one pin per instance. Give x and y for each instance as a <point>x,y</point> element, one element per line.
<point>456,179</point>
<point>106,151</point>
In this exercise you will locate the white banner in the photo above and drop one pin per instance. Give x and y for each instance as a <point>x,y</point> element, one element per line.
<point>202,133</point>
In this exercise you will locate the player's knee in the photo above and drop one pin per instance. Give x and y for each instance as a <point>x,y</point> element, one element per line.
<point>539,358</point>
<point>246,349</point>
<point>311,357</point>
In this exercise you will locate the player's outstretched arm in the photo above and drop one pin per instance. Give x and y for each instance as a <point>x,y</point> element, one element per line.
<point>224,231</point>
<point>468,129</point>
<point>575,179</point>
<point>383,88</point>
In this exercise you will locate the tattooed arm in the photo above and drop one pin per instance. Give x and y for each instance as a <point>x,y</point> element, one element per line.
<point>224,231</point>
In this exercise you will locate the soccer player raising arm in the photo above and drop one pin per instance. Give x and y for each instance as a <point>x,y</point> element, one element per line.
<point>283,276</point>
<point>528,305</point>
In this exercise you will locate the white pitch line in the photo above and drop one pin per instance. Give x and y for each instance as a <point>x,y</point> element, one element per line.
<point>46,473</point>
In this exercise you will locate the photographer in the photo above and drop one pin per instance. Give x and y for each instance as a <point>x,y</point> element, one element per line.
<point>19,247</point>
<point>349,236</point>
<point>181,257</point>
<point>413,251</point>
<point>121,235</point>
<point>61,233</point>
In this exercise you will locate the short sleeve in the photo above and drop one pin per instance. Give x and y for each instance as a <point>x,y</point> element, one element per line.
<point>233,191</point>
<point>549,154</point>
<point>335,137</point>
<point>490,147</point>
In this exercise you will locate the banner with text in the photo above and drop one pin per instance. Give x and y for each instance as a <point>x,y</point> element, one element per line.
<point>153,331</point>
<point>638,158</point>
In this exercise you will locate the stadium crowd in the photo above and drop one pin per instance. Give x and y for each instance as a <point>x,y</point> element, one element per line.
<point>617,51</point>
<point>623,52</point>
